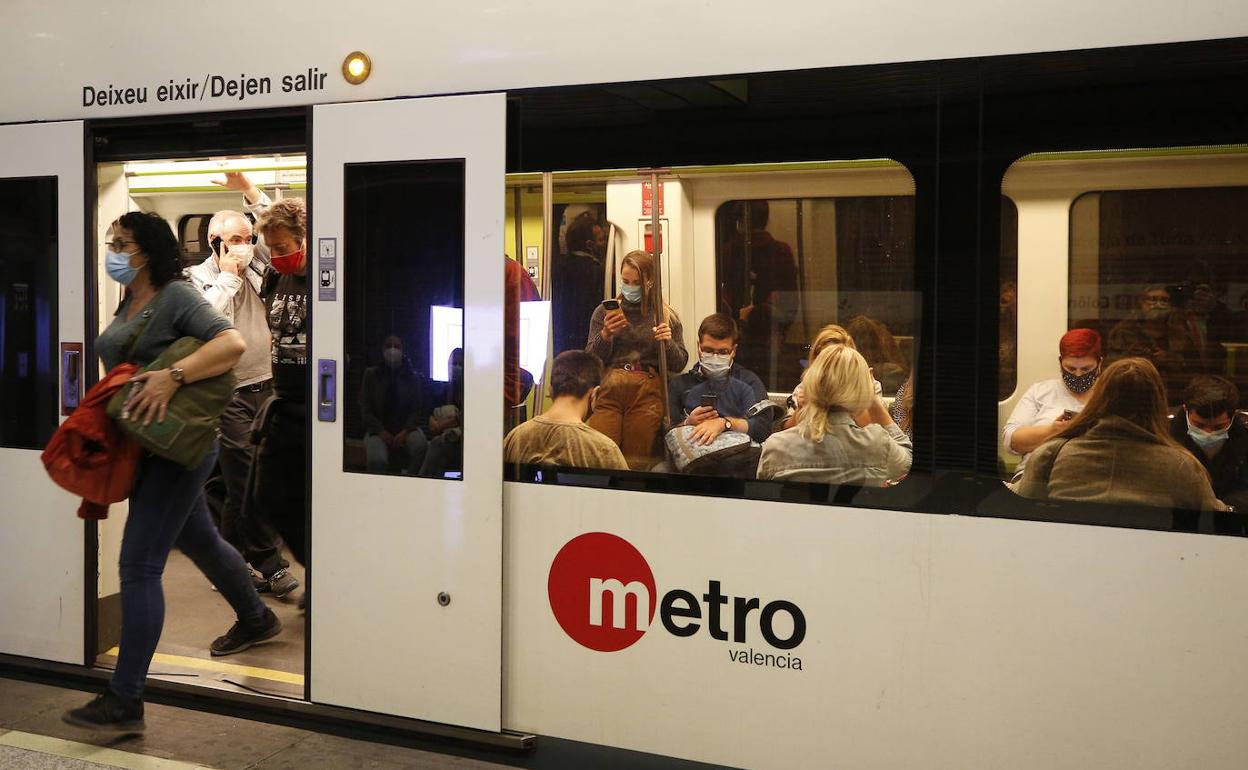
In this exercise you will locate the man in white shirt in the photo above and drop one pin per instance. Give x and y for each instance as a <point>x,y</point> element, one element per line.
<point>231,280</point>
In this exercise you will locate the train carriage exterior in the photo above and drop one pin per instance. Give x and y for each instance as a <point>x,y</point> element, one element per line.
<point>942,622</point>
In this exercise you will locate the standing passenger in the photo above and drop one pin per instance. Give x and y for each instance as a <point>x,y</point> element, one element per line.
<point>230,280</point>
<point>167,504</point>
<point>281,475</point>
<point>629,409</point>
<point>576,281</point>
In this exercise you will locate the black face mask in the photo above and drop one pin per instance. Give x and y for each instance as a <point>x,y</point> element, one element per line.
<point>1080,383</point>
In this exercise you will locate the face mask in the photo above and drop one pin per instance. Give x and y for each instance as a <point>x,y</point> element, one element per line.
<point>1081,383</point>
<point>715,365</point>
<point>631,293</point>
<point>1206,440</point>
<point>393,357</point>
<point>117,265</point>
<point>243,253</point>
<point>287,264</point>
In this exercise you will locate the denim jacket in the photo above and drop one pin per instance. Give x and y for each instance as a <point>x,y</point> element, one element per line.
<point>847,454</point>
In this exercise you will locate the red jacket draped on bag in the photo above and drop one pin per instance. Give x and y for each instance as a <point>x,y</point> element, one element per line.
<point>89,454</point>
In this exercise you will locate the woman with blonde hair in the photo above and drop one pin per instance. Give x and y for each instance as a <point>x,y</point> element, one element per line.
<point>1119,449</point>
<point>829,444</point>
<point>832,334</point>
<point>629,406</point>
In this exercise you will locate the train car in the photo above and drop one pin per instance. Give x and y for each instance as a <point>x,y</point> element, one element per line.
<point>956,186</point>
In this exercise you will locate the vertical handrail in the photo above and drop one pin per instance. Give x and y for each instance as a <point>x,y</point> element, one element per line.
<point>660,314</point>
<point>545,267</point>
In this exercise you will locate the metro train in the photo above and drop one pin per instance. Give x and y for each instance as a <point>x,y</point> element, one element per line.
<point>960,194</point>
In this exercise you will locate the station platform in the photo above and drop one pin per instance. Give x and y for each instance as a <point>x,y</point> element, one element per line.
<point>33,737</point>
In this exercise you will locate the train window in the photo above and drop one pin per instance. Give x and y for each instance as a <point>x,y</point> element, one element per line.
<point>193,234</point>
<point>1132,363</point>
<point>28,330</point>
<point>687,366</point>
<point>789,267</point>
<point>403,318</point>
<point>1007,320</point>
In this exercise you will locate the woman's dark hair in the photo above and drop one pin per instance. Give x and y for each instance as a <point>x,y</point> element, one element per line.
<point>156,240</point>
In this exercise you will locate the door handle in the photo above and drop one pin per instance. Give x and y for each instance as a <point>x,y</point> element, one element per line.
<point>326,389</point>
<point>71,377</point>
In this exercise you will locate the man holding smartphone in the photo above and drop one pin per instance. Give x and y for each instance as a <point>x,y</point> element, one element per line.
<point>718,394</point>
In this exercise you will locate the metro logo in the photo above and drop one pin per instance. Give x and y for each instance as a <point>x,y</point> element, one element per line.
<point>602,591</point>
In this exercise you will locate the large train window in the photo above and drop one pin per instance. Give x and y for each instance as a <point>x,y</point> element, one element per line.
<point>705,362</point>
<point>1133,356</point>
<point>403,318</point>
<point>28,289</point>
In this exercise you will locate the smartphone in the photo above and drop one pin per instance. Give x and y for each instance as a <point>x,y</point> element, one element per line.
<point>1069,414</point>
<point>611,304</point>
<point>709,399</point>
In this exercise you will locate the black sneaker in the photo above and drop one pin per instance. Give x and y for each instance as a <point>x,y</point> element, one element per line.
<point>243,635</point>
<point>109,713</point>
<point>282,583</point>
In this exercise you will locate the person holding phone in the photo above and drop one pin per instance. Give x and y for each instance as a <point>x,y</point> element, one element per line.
<point>1049,406</point>
<point>719,395</point>
<point>629,408</point>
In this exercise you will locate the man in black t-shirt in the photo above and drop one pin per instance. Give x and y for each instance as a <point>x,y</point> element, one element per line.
<point>281,467</point>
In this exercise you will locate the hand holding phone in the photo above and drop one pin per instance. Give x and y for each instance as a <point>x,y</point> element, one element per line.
<point>708,399</point>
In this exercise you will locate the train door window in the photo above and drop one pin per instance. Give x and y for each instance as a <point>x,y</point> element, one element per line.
<point>403,319</point>
<point>28,288</point>
<point>1007,320</point>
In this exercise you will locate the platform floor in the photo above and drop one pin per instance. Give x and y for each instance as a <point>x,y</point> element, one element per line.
<point>32,735</point>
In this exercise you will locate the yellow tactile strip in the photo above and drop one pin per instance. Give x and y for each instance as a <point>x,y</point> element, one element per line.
<point>222,668</point>
<point>98,755</point>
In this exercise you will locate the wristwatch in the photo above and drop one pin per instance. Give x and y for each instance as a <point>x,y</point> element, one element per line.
<point>727,424</point>
<point>178,375</point>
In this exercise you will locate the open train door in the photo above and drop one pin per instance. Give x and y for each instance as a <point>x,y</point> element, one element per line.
<point>41,302</point>
<point>406,254</point>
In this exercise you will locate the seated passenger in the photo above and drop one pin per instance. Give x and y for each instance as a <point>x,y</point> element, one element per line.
<point>832,334</point>
<point>392,402</point>
<point>902,408</point>
<point>446,432</point>
<point>1156,332</point>
<point>1048,406</point>
<point>559,436</point>
<point>876,343</point>
<point>1119,449</point>
<point>741,402</point>
<point>829,445</point>
<point>1209,427</point>
<point>629,409</point>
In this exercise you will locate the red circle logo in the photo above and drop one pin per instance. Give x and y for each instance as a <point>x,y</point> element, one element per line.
<point>602,591</point>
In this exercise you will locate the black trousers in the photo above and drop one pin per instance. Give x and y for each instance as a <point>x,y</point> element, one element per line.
<point>282,476</point>
<point>249,531</point>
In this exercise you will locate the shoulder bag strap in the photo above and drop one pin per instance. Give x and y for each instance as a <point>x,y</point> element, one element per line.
<point>146,315</point>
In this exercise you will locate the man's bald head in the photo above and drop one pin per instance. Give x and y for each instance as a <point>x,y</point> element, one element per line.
<point>230,226</point>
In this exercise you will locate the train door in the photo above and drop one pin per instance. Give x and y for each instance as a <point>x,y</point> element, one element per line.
<point>407,257</point>
<point>41,303</point>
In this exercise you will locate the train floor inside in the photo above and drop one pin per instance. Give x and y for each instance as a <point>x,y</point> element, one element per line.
<point>195,614</point>
<point>32,735</point>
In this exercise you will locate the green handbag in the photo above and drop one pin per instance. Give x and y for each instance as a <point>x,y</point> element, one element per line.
<point>186,434</point>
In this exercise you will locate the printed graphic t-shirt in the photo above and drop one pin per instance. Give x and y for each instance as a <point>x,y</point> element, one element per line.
<point>287,307</point>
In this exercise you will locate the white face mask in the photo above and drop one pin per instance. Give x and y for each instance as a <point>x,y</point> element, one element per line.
<point>715,365</point>
<point>1208,439</point>
<point>392,356</point>
<point>243,252</point>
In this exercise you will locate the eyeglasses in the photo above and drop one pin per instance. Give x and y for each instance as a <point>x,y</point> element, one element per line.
<point>117,244</point>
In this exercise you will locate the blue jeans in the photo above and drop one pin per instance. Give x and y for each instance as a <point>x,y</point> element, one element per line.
<point>167,508</point>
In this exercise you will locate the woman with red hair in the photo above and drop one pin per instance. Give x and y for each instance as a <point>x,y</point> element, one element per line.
<point>1048,406</point>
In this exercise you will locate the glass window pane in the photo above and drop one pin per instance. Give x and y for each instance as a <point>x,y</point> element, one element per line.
<point>1007,321</point>
<point>28,290</point>
<point>403,259</point>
